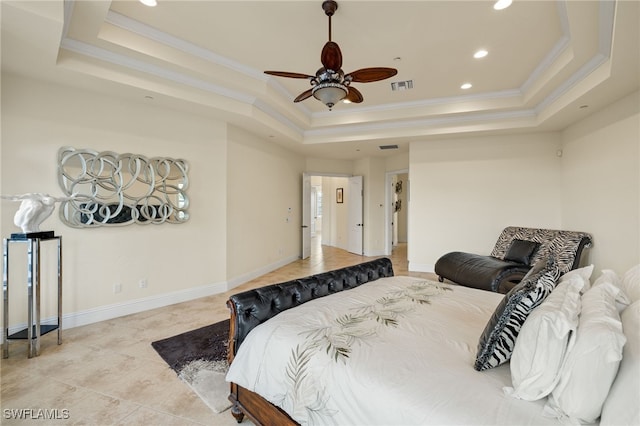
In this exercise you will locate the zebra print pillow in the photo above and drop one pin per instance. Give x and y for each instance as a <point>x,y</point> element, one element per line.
<point>499,337</point>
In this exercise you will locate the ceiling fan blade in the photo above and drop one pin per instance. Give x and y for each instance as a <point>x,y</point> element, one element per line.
<point>289,74</point>
<point>331,56</point>
<point>302,96</point>
<point>354,95</point>
<point>368,75</point>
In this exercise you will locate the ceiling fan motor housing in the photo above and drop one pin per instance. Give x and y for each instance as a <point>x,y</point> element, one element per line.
<point>329,7</point>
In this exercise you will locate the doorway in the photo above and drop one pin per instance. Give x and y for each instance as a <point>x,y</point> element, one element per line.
<point>332,213</point>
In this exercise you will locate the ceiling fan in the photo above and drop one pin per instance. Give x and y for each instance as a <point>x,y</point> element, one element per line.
<point>331,84</point>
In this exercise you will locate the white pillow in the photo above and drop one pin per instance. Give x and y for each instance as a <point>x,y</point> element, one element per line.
<point>543,341</point>
<point>610,276</point>
<point>621,406</point>
<point>631,283</point>
<point>591,365</point>
<point>584,272</point>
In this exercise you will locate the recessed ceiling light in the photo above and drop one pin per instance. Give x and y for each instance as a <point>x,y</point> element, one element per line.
<point>502,4</point>
<point>150,3</point>
<point>480,54</point>
<point>466,86</point>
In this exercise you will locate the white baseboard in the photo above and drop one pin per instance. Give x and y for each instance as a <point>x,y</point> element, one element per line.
<point>107,312</point>
<point>421,267</point>
<point>235,282</point>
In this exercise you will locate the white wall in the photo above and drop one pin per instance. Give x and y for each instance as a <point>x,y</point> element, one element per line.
<point>464,191</point>
<point>601,183</point>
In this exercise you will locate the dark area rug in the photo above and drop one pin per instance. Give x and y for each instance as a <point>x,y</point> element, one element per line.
<point>207,343</point>
<point>199,358</point>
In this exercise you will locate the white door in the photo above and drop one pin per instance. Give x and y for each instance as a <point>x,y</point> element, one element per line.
<point>306,216</point>
<point>354,220</point>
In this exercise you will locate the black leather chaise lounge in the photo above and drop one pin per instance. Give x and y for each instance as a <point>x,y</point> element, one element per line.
<point>516,250</point>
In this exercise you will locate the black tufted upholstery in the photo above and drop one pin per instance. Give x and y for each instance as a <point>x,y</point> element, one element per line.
<point>253,307</point>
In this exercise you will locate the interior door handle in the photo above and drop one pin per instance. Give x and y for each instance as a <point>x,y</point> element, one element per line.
<point>304,226</point>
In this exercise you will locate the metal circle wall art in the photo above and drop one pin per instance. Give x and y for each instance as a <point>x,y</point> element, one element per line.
<point>110,189</point>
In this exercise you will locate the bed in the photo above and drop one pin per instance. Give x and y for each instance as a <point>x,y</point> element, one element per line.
<point>392,350</point>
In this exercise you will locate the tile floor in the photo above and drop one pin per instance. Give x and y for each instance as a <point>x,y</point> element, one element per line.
<point>107,373</point>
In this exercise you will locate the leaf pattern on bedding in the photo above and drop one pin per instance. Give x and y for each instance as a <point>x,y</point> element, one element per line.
<point>301,388</point>
<point>338,339</point>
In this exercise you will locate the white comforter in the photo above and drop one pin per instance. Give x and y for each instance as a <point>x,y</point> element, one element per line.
<point>395,351</point>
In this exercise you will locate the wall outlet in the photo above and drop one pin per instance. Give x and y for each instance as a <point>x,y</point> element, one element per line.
<point>117,288</point>
<point>143,283</point>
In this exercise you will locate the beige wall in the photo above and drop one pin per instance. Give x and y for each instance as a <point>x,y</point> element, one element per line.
<point>373,171</point>
<point>464,191</point>
<point>245,194</point>
<point>601,183</point>
<point>229,171</point>
<point>323,166</point>
<point>264,199</point>
<point>402,215</point>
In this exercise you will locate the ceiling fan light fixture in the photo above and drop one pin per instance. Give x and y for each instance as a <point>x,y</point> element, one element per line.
<point>330,93</point>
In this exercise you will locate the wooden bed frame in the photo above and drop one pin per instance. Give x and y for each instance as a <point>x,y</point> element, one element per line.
<point>253,307</point>
<point>245,402</point>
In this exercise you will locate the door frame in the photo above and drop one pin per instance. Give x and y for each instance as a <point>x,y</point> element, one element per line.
<point>388,215</point>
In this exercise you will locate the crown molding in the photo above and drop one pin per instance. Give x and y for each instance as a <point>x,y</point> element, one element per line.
<point>184,46</point>
<point>606,16</point>
<point>105,55</point>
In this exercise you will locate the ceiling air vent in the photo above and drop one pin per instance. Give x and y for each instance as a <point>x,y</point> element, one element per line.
<point>388,147</point>
<point>402,85</point>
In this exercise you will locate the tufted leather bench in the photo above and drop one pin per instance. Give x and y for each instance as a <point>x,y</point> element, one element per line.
<point>253,307</point>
